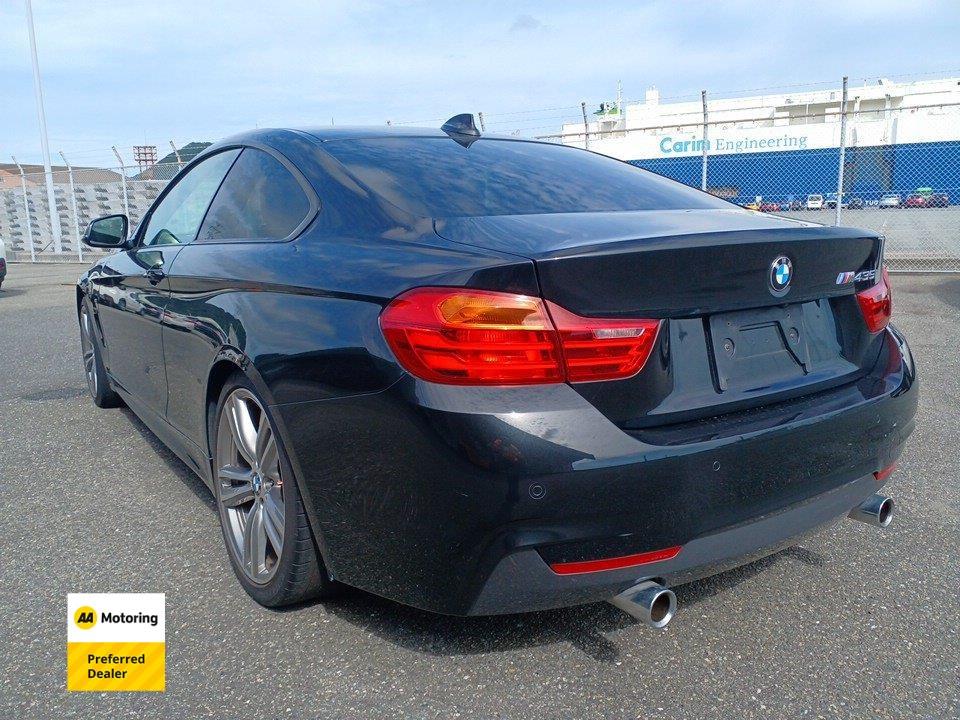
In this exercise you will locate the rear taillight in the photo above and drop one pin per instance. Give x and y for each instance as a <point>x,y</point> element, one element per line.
<point>479,337</point>
<point>472,337</point>
<point>600,348</point>
<point>876,303</point>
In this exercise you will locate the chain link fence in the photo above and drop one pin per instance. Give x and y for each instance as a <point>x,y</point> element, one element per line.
<point>849,168</point>
<point>892,170</point>
<point>81,194</point>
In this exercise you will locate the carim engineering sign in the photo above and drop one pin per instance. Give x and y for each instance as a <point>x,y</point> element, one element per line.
<point>678,146</point>
<point>116,641</point>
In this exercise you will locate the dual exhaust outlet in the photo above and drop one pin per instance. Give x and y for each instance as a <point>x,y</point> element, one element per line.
<point>655,605</point>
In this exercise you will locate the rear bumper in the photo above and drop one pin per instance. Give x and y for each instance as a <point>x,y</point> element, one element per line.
<point>523,581</point>
<point>455,500</point>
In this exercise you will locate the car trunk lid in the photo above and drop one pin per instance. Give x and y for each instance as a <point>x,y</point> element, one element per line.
<point>731,339</point>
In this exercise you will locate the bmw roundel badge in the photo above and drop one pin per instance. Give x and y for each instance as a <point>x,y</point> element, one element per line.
<point>781,273</point>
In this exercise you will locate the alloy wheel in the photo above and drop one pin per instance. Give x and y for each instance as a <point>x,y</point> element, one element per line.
<point>250,485</point>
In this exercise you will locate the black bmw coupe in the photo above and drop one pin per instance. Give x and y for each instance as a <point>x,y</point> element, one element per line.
<point>483,375</point>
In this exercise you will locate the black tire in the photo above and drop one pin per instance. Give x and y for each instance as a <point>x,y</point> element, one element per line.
<point>98,382</point>
<point>298,573</point>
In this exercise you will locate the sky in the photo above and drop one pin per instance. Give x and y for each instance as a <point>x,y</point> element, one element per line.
<point>130,73</point>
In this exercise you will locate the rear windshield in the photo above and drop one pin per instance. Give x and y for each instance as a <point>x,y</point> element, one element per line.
<point>437,177</point>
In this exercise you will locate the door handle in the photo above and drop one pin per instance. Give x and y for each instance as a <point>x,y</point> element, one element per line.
<point>155,275</point>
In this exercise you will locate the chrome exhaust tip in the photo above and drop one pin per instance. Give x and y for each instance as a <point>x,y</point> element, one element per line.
<point>876,510</point>
<point>649,602</point>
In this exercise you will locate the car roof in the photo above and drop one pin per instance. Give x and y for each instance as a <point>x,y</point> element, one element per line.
<point>356,132</point>
<point>323,134</point>
<point>278,137</point>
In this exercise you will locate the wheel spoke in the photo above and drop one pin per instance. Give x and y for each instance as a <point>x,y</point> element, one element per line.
<point>235,474</point>
<point>243,430</point>
<point>236,487</point>
<point>273,520</point>
<point>255,542</point>
<point>267,457</point>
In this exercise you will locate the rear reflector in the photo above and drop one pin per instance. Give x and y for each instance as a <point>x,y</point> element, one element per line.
<point>617,563</point>
<point>876,303</point>
<point>479,337</point>
<point>882,475</point>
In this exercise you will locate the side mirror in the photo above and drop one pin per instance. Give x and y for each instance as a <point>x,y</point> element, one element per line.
<point>109,231</point>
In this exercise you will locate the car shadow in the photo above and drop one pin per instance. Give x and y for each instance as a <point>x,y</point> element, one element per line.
<point>949,292</point>
<point>62,393</point>
<point>177,467</point>
<point>585,627</point>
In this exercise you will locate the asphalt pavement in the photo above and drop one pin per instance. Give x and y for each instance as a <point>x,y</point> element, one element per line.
<point>855,622</point>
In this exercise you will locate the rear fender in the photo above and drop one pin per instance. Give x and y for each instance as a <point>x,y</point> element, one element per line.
<point>231,356</point>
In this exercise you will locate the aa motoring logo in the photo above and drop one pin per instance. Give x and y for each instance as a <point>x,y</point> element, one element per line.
<point>116,641</point>
<point>86,617</point>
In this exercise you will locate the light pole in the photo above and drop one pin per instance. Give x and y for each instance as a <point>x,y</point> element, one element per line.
<point>48,172</point>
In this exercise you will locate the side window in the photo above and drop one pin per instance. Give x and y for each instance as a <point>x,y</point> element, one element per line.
<point>260,199</point>
<point>178,216</point>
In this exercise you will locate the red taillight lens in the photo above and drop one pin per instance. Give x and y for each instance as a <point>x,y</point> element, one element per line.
<point>602,349</point>
<point>472,337</point>
<point>479,337</point>
<point>876,303</point>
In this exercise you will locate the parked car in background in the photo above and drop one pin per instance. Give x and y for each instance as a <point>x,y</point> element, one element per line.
<point>814,202</point>
<point>3,262</point>
<point>939,199</point>
<point>852,203</point>
<point>770,207</point>
<point>890,200</point>
<point>752,205</point>
<point>794,205</point>
<point>915,200</point>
